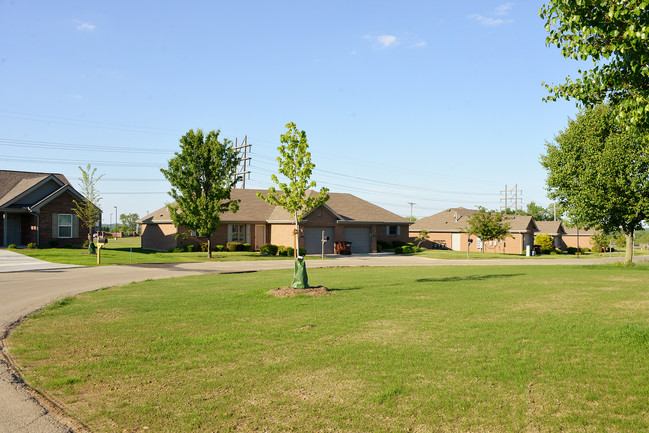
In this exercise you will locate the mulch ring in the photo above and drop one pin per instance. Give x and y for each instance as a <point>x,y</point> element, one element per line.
<point>286,292</point>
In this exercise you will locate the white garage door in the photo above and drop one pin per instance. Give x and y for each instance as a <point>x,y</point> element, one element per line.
<point>361,239</point>
<point>312,237</point>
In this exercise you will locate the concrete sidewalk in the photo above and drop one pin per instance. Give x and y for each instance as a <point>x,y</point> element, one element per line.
<point>30,285</point>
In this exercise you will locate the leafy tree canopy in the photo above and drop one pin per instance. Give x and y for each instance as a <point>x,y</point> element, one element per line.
<point>488,226</point>
<point>295,165</point>
<point>539,213</point>
<point>88,209</point>
<point>599,172</point>
<point>202,176</point>
<point>129,221</point>
<point>614,36</point>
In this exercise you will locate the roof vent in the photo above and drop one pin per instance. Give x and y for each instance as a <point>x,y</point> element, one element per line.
<point>455,217</point>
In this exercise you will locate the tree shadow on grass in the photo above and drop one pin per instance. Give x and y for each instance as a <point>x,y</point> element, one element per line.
<point>467,278</point>
<point>348,289</point>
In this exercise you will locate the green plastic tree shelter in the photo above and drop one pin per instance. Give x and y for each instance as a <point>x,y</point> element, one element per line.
<point>300,278</point>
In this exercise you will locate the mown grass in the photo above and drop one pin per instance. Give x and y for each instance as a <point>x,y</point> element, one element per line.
<point>502,349</point>
<point>128,251</point>
<point>461,255</point>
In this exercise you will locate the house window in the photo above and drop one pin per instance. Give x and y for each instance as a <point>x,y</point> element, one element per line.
<point>239,233</point>
<point>393,230</point>
<point>65,225</point>
<point>193,233</point>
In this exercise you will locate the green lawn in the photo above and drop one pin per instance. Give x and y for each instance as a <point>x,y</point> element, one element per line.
<point>127,251</point>
<point>448,349</point>
<point>461,255</point>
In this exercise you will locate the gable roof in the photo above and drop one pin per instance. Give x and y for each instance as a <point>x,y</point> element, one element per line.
<point>572,231</point>
<point>552,228</point>
<point>23,189</point>
<point>454,220</point>
<point>449,220</point>
<point>346,208</point>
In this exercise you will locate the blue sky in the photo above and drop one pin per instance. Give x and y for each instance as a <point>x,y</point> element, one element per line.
<point>436,103</point>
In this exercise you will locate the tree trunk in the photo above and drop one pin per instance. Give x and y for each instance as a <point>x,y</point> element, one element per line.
<point>209,247</point>
<point>628,254</point>
<point>296,251</point>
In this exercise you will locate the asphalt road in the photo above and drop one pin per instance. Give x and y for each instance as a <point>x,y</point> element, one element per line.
<point>26,286</point>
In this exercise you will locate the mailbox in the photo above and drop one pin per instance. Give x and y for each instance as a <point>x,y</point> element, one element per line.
<point>102,241</point>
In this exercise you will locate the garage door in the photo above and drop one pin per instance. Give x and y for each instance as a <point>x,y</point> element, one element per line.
<point>361,239</point>
<point>312,243</point>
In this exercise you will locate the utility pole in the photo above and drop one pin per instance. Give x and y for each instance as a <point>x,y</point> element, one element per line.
<point>411,205</point>
<point>244,160</point>
<point>505,191</point>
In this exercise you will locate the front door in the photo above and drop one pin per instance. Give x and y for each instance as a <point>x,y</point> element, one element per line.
<point>260,236</point>
<point>13,229</point>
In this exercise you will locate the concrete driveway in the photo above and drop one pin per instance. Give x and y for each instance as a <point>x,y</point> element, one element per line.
<point>28,284</point>
<point>15,262</point>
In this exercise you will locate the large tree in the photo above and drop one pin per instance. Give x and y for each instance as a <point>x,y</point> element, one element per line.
<point>295,165</point>
<point>539,213</point>
<point>598,171</point>
<point>488,226</point>
<point>128,220</point>
<point>614,35</point>
<point>88,209</point>
<point>202,176</point>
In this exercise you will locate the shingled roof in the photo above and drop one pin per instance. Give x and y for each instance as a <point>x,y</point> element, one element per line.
<point>347,207</point>
<point>14,184</point>
<point>454,220</point>
<point>552,228</point>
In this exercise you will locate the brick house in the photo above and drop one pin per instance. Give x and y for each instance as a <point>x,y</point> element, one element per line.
<point>556,230</point>
<point>448,228</point>
<point>344,217</point>
<point>37,208</point>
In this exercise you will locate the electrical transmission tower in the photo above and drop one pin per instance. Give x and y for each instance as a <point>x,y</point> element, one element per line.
<point>244,161</point>
<point>512,195</point>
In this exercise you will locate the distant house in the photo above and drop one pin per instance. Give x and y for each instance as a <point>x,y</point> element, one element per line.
<point>578,238</point>
<point>448,228</point>
<point>37,208</point>
<point>554,229</point>
<point>344,217</point>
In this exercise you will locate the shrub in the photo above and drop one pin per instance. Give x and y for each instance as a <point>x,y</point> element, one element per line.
<point>68,245</point>
<point>281,251</point>
<point>179,250</point>
<point>219,248</point>
<point>396,244</point>
<point>302,252</point>
<point>545,242</point>
<point>235,246</point>
<point>585,250</point>
<point>290,251</point>
<point>12,246</point>
<point>398,250</point>
<point>384,245</point>
<point>572,250</point>
<point>204,247</point>
<point>246,247</point>
<point>379,248</point>
<point>53,243</point>
<point>31,246</point>
<point>191,248</point>
<point>408,249</point>
<point>269,249</point>
<point>86,243</point>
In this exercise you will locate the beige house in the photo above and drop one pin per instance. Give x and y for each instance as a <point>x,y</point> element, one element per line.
<point>577,238</point>
<point>448,228</point>
<point>344,217</point>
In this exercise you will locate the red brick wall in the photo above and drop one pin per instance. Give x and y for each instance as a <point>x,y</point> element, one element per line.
<point>61,204</point>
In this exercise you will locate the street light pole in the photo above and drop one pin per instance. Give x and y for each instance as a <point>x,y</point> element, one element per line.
<point>116,218</point>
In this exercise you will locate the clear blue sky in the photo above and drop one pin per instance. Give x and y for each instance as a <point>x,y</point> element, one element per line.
<point>431,102</point>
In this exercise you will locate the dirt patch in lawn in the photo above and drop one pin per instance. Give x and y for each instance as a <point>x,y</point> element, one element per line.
<point>286,292</point>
